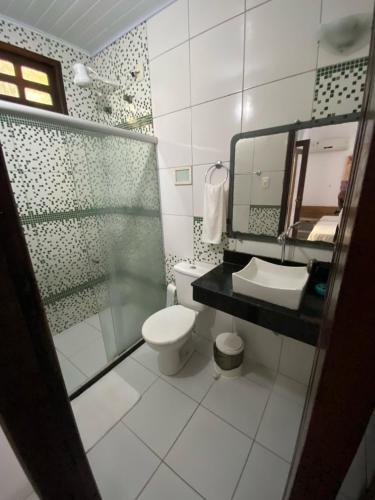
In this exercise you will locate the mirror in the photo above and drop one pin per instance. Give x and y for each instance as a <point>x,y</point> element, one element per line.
<point>319,179</point>
<point>259,172</point>
<point>292,178</point>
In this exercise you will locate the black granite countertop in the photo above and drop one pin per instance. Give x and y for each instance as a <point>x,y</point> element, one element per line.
<point>215,290</point>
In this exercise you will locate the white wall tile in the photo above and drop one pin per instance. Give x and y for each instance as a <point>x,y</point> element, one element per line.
<point>270,195</point>
<point>261,345</point>
<point>335,9</point>
<point>204,15</point>
<point>296,360</point>
<point>270,152</point>
<point>211,322</point>
<point>178,235</point>
<point>278,103</point>
<point>242,189</point>
<point>199,174</point>
<point>250,4</point>
<point>280,40</point>
<point>244,156</point>
<point>241,218</point>
<point>170,81</point>
<point>217,61</point>
<point>168,28</point>
<point>175,200</point>
<point>174,135</point>
<point>213,126</point>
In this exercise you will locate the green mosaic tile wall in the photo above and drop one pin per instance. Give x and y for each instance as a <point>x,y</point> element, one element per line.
<point>87,203</point>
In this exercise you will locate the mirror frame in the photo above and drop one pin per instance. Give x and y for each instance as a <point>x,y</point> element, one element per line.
<point>292,129</point>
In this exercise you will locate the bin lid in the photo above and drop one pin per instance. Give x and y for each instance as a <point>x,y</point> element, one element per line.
<point>229,343</point>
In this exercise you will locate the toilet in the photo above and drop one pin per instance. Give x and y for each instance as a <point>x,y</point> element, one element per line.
<point>169,331</point>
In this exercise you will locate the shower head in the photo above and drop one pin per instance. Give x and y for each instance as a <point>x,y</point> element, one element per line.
<point>81,76</point>
<point>84,76</point>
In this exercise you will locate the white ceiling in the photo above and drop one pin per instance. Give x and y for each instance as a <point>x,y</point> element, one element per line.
<point>87,24</point>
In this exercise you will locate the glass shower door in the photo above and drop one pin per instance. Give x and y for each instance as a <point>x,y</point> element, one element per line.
<point>131,244</point>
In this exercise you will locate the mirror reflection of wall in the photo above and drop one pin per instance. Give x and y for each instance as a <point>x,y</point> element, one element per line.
<point>258,184</point>
<point>319,179</point>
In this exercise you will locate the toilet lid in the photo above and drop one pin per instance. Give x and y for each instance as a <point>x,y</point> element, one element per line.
<point>168,325</point>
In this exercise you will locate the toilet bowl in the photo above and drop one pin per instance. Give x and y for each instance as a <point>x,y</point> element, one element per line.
<point>169,331</point>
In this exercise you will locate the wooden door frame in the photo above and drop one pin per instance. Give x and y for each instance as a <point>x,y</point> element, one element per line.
<point>342,389</point>
<point>35,412</point>
<point>305,145</point>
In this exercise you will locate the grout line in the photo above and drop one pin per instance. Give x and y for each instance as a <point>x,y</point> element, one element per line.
<point>119,420</point>
<point>273,452</point>
<point>243,67</point>
<point>184,480</point>
<point>228,423</point>
<point>312,70</point>
<point>72,363</point>
<point>242,470</point>
<point>148,481</point>
<point>141,440</point>
<point>192,37</point>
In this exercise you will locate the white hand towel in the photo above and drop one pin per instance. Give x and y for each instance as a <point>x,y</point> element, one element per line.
<point>214,213</point>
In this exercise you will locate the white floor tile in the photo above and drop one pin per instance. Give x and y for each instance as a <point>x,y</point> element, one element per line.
<point>209,455</point>
<point>73,378</point>
<point>135,374</point>
<point>279,427</point>
<point>76,338</point>
<point>288,388</point>
<point>159,416</point>
<point>166,485</point>
<point>101,406</point>
<point>195,378</point>
<point>94,321</point>
<point>121,464</point>
<point>147,357</point>
<point>264,477</point>
<point>91,359</point>
<point>238,401</point>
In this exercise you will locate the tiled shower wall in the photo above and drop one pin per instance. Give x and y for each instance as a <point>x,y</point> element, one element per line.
<point>50,175</point>
<point>117,61</point>
<point>219,68</point>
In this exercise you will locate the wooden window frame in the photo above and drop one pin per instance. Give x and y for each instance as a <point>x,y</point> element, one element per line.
<point>51,67</point>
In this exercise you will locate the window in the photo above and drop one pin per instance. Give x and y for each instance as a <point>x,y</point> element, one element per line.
<point>31,79</point>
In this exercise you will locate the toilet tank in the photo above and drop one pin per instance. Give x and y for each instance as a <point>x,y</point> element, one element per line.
<point>185,274</point>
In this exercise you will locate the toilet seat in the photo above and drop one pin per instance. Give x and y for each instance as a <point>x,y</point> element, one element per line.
<point>169,325</point>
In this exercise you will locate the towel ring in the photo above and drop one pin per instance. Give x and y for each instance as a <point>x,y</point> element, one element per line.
<point>218,164</point>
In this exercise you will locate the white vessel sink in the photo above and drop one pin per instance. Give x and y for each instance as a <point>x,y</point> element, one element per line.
<point>280,285</point>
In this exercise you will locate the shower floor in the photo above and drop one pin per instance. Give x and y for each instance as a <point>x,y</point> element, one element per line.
<point>81,351</point>
<point>191,437</point>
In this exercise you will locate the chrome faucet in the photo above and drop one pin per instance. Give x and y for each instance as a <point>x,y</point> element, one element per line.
<point>283,237</point>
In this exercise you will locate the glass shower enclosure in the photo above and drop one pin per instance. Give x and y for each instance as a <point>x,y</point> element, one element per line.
<point>88,201</point>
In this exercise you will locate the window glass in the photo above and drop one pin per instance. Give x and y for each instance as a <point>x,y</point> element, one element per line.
<point>7,68</point>
<point>38,96</point>
<point>9,89</point>
<point>34,75</point>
